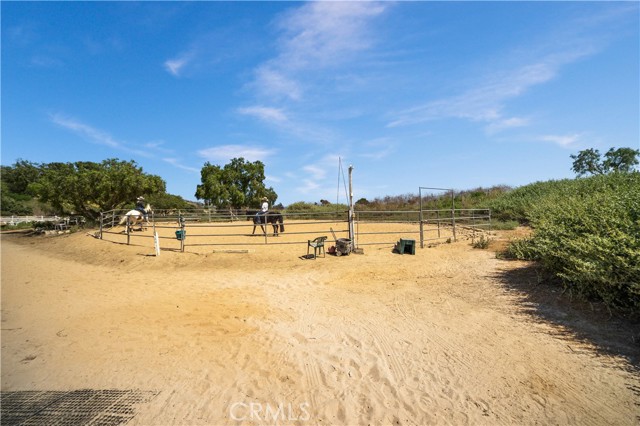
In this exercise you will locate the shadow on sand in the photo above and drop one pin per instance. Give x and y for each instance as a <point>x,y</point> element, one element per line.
<point>573,319</point>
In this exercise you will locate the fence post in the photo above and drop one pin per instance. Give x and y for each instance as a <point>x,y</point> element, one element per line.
<point>101,223</point>
<point>128,229</point>
<point>182,222</point>
<point>351,227</point>
<point>266,224</point>
<point>453,224</point>
<point>356,227</point>
<point>473,224</point>
<point>184,236</point>
<point>421,219</point>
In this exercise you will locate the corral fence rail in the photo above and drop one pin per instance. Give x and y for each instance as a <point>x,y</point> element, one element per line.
<point>14,220</point>
<point>426,226</point>
<point>201,227</point>
<point>59,222</point>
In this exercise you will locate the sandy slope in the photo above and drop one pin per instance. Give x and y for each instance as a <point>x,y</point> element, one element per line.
<point>269,338</point>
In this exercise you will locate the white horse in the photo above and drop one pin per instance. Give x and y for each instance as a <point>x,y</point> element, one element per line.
<point>134,217</point>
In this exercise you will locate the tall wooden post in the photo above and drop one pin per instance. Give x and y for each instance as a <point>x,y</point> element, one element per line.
<point>128,229</point>
<point>453,215</point>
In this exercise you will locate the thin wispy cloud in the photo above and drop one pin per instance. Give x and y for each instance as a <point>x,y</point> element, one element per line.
<point>308,185</point>
<point>266,114</point>
<point>540,63</point>
<point>101,137</point>
<point>487,101</point>
<point>562,140</point>
<point>45,61</point>
<point>176,66</point>
<point>212,50</point>
<point>499,125</point>
<point>86,131</point>
<point>315,36</point>
<point>22,34</point>
<point>316,171</point>
<point>176,163</point>
<point>158,146</point>
<point>318,177</point>
<point>377,149</point>
<point>273,83</point>
<point>271,178</point>
<point>224,153</point>
<point>325,33</point>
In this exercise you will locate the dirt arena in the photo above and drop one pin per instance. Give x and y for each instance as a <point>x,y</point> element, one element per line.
<point>452,335</point>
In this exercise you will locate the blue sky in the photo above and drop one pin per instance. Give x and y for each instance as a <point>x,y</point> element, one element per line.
<point>440,94</point>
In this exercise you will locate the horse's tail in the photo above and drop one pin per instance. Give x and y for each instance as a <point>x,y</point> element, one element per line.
<point>281,221</point>
<point>123,220</point>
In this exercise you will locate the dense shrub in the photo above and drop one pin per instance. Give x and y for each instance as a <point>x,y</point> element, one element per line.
<point>587,234</point>
<point>517,204</point>
<point>316,211</point>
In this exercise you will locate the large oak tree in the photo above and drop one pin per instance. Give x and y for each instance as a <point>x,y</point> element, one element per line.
<point>590,161</point>
<point>236,185</point>
<point>87,188</point>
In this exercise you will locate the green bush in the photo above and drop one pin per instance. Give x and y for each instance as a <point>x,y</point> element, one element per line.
<point>521,249</point>
<point>481,242</point>
<point>507,225</point>
<point>587,234</point>
<point>517,204</point>
<point>317,211</point>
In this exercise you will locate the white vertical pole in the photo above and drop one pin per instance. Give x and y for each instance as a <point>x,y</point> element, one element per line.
<point>351,230</point>
<point>156,242</point>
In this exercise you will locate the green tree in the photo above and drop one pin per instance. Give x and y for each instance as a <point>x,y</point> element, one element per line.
<point>169,201</point>
<point>589,161</point>
<point>236,185</point>
<point>8,203</point>
<point>88,188</point>
<point>19,176</point>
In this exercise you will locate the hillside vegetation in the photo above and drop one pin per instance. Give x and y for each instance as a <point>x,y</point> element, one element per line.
<point>586,234</point>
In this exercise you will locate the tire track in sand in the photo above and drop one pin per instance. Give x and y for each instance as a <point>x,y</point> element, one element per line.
<point>384,347</point>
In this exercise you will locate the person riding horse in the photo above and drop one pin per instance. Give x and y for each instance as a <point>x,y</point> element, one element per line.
<point>265,206</point>
<point>264,216</point>
<point>140,206</point>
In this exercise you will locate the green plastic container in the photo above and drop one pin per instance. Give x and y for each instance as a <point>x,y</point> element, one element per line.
<point>180,234</point>
<point>407,246</point>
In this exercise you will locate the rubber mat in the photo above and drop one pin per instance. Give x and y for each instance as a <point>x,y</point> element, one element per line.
<point>80,407</point>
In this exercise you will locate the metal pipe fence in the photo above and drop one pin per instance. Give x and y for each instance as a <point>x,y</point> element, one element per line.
<point>424,225</point>
<point>197,228</point>
<point>15,220</point>
<point>201,228</point>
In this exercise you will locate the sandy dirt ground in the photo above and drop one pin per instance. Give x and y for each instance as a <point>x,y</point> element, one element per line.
<point>452,335</point>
